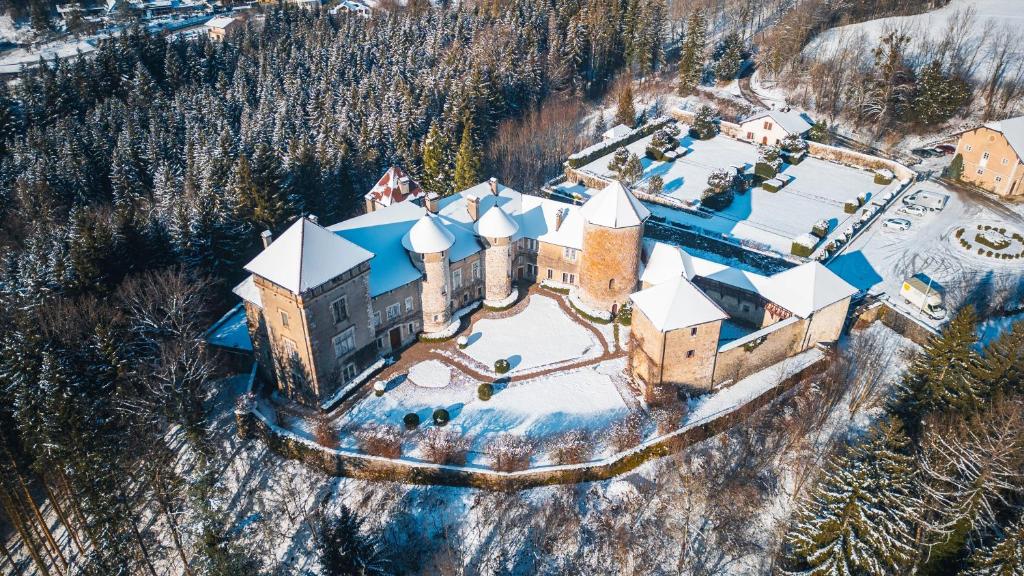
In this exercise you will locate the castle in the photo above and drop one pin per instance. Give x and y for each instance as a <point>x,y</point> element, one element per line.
<point>324,304</point>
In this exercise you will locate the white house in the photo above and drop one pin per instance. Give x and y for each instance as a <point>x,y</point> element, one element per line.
<point>616,132</point>
<point>772,126</point>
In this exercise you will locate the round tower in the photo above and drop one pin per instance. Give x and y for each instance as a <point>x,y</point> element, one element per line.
<point>613,231</point>
<point>495,228</point>
<point>429,242</point>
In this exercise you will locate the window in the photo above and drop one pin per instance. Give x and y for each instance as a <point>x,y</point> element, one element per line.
<point>570,254</point>
<point>981,171</point>
<point>572,278</point>
<point>1006,161</point>
<point>767,125</point>
<point>750,135</point>
<point>408,304</point>
<point>746,307</point>
<point>693,331</point>
<point>611,284</point>
<point>376,317</point>
<point>350,372</point>
<point>984,156</point>
<point>344,342</point>
<point>456,279</point>
<point>551,273</point>
<point>380,343</point>
<point>529,244</point>
<point>339,309</point>
<point>476,270</point>
<point>689,353</point>
<point>531,270</point>
<point>565,278</point>
<point>999,178</point>
<point>284,318</point>
<point>393,311</point>
<point>969,147</point>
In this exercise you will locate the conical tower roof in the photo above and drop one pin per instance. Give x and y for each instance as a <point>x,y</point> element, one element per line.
<point>428,236</point>
<point>495,223</point>
<point>615,207</point>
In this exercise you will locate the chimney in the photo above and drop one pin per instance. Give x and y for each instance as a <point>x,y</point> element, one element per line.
<point>559,216</point>
<point>433,201</point>
<point>313,218</point>
<point>267,238</point>
<point>473,207</point>
<point>403,185</point>
<point>494,185</point>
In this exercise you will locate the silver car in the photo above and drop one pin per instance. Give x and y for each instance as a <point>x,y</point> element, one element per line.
<point>913,210</point>
<point>897,223</point>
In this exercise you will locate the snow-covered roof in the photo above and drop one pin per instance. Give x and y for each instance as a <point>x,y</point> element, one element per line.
<point>615,207</point>
<point>389,189</point>
<point>791,121</point>
<point>1013,130</point>
<point>495,223</point>
<point>664,262</point>
<point>248,291</point>
<point>305,256</point>
<point>219,22</point>
<point>806,289</point>
<point>617,131</point>
<point>807,240</point>
<point>678,304</point>
<point>428,236</point>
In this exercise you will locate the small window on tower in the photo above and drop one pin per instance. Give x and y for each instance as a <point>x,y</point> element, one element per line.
<point>284,318</point>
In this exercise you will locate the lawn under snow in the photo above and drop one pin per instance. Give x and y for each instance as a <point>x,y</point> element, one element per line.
<point>817,192</point>
<point>540,335</point>
<point>540,408</point>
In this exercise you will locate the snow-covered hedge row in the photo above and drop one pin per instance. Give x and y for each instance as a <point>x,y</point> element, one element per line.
<point>591,153</point>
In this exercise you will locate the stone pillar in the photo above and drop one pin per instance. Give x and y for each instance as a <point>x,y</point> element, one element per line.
<point>610,266</point>
<point>497,269</point>
<point>437,312</point>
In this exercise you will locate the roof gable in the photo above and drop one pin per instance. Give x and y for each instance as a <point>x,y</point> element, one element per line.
<point>807,288</point>
<point>388,189</point>
<point>792,122</point>
<point>1013,130</point>
<point>305,256</point>
<point>674,305</point>
<point>615,207</point>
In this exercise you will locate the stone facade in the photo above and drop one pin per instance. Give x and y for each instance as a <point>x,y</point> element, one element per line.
<point>667,363</point>
<point>990,162</point>
<point>497,268</point>
<point>437,306</point>
<point>610,268</point>
<point>746,307</point>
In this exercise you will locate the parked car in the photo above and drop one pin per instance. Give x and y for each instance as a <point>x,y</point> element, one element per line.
<point>932,201</point>
<point>897,223</point>
<point>924,152</point>
<point>947,149</point>
<point>913,210</point>
<point>924,294</point>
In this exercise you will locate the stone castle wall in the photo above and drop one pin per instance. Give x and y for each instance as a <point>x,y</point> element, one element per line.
<point>497,269</point>
<point>610,265</point>
<point>437,311</point>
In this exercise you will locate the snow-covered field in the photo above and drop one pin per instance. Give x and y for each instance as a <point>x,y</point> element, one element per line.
<point>932,27</point>
<point>538,336</point>
<point>818,191</point>
<point>540,408</point>
<point>11,62</point>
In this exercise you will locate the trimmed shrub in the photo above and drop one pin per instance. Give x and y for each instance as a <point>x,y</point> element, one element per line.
<point>880,179</point>
<point>993,245</point>
<point>379,387</point>
<point>444,446</point>
<point>767,186</point>
<point>851,206</point>
<point>655,153</point>
<point>484,391</point>
<point>798,249</point>
<point>655,185</point>
<point>820,229</point>
<point>411,420</point>
<point>766,171</point>
<point>380,440</point>
<point>703,126</point>
<point>626,433</point>
<point>571,448</point>
<point>441,417</point>
<point>501,366</point>
<point>625,315</point>
<point>959,232</point>
<point>510,453</point>
<point>619,159</point>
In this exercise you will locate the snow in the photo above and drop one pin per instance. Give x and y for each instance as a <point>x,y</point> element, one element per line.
<point>354,383</point>
<point>791,121</point>
<point>231,331</point>
<point>1013,130</point>
<point>504,302</point>
<point>932,27</point>
<point>538,336</point>
<point>574,299</point>
<point>615,207</point>
<point>675,305</point>
<point>427,236</point>
<point>430,374</point>
<point>992,328</point>
<point>663,262</point>
<point>219,22</point>
<point>818,191</point>
<point>616,132</point>
<point>13,61</point>
<point>495,223</point>
<point>305,256</point>
<point>806,289</point>
<point>807,240</point>
<point>247,290</point>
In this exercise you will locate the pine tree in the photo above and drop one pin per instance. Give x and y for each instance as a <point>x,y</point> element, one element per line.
<point>730,58</point>
<point>692,53</point>
<point>625,112</point>
<point>1002,364</point>
<point>860,518</point>
<point>467,161</point>
<point>632,170</point>
<point>703,125</point>
<point>1004,558</point>
<point>437,171</point>
<point>345,550</point>
<point>819,132</point>
<point>943,376</point>
<point>937,97</point>
<point>956,168</point>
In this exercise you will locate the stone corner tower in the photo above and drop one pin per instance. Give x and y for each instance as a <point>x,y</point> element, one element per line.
<point>428,243</point>
<point>496,229</point>
<point>613,231</point>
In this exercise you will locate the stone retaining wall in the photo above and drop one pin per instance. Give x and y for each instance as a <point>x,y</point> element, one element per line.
<point>253,424</point>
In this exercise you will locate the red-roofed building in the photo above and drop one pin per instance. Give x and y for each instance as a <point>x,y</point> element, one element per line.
<point>393,187</point>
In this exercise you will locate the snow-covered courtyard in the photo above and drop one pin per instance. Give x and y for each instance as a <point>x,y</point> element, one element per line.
<point>540,335</point>
<point>818,191</point>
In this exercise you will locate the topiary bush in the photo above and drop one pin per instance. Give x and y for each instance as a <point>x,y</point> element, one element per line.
<point>501,366</point>
<point>411,420</point>
<point>484,391</point>
<point>441,417</point>
<point>625,315</point>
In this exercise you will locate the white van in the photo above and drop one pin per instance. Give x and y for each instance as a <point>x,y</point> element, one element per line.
<point>925,294</point>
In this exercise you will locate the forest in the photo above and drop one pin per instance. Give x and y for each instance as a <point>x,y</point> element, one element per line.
<point>134,184</point>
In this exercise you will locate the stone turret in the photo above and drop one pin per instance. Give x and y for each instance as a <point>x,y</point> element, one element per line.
<point>428,243</point>
<point>495,229</point>
<point>613,231</point>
